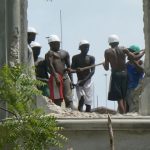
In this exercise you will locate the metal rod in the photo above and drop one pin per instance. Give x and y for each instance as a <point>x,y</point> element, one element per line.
<point>106,90</point>
<point>97,101</point>
<point>106,87</point>
<point>93,96</point>
<point>61,32</point>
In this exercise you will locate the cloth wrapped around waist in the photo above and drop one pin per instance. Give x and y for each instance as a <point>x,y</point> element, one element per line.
<point>56,91</point>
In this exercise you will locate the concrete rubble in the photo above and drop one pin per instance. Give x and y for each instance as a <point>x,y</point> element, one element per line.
<point>61,112</point>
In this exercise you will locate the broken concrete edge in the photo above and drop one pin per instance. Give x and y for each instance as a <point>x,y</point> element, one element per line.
<point>129,124</point>
<point>101,123</point>
<point>75,120</point>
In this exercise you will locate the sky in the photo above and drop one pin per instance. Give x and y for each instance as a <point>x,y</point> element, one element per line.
<point>92,20</point>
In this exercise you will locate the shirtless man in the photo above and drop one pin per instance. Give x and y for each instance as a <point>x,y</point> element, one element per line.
<point>116,57</point>
<point>84,85</point>
<point>60,85</point>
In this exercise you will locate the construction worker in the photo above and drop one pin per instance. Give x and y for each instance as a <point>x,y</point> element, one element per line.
<point>116,57</point>
<point>85,83</point>
<point>135,71</point>
<point>36,49</point>
<point>40,68</point>
<point>30,37</point>
<point>59,82</point>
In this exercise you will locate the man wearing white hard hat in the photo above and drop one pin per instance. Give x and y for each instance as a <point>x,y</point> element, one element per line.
<point>59,82</point>
<point>40,68</point>
<point>32,30</point>
<point>116,57</point>
<point>85,83</point>
<point>30,37</point>
<point>36,48</point>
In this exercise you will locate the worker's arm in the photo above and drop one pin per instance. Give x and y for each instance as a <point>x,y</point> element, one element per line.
<point>68,65</point>
<point>139,65</point>
<point>106,62</point>
<point>133,56</point>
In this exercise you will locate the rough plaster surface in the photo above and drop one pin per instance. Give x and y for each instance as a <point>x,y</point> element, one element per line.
<point>13,35</point>
<point>60,112</point>
<point>145,101</point>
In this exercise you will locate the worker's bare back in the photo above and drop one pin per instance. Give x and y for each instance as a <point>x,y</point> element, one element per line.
<point>116,57</point>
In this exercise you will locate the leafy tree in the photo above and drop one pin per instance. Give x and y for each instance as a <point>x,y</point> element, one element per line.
<point>18,89</point>
<point>26,128</point>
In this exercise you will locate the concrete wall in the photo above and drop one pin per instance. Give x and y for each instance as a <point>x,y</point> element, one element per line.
<point>13,35</point>
<point>13,32</point>
<point>145,102</point>
<point>3,44</point>
<point>23,29</point>
<point>92,134</point>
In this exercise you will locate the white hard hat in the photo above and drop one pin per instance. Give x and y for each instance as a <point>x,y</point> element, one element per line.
<point>53,38</point>
<point>83,42</point>
<point>35,44</point>
<point>113,38</point>
<point>32,30</point>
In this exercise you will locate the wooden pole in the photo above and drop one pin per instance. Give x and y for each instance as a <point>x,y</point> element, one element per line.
<point>84,68</point>
<point>89,67</point>
<point>111,135</point>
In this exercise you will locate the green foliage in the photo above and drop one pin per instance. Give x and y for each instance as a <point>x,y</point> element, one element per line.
<point>31,129</point>
<point>18,89</point>
<point>33,132</point>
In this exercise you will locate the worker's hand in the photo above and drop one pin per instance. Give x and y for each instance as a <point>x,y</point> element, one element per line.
<point>57,80</point>
<point>81,83</point>
<point>140,62</point>
<point>79,69</point>
<point>72,85</point>
<point>103,63</point>
<point>126,51</point>
<point>143,51</point>
<point>69,70</point>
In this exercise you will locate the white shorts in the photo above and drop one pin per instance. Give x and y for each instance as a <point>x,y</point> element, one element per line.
<point>86,91</point>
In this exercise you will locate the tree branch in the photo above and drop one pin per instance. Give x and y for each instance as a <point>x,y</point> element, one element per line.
<point>6,110</point>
